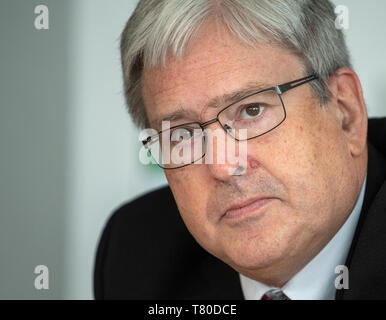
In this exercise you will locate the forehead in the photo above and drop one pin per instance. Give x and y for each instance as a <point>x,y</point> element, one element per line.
<point>214,63</point>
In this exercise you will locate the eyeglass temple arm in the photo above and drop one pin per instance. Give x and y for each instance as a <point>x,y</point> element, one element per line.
<point>293,84</point>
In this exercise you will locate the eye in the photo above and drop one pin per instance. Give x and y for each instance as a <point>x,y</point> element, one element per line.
<point>182,134</point>
<point>251,111</point>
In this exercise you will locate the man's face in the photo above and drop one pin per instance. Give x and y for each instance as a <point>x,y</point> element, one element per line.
<point>299,185</point>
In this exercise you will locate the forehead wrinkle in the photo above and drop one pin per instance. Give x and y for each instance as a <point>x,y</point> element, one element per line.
<point>192,65</point>
<point>208,66</point>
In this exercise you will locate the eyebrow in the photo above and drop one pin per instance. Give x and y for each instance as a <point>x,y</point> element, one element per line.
<point>223,101</point>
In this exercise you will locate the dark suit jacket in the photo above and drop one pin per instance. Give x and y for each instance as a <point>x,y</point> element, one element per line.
<point>146,252</point>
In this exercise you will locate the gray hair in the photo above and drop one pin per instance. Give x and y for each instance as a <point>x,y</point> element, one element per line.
<point>158,27</point>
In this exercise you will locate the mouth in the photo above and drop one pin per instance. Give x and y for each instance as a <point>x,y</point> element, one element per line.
<point>245,208</point>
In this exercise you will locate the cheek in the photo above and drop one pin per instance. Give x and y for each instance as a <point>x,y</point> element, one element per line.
<point>300,156</point>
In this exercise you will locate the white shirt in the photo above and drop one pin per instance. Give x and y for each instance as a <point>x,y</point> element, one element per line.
<point>316,281</point>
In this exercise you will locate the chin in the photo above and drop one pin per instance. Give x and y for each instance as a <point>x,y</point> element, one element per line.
<point>255,255</point>
<point>254,262</point>
<point>266,243</point>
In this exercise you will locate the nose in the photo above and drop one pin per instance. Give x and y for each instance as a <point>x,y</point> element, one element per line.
<point>225,157</point>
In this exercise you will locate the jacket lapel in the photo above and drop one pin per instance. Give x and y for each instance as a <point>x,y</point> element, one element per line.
<point>366,260</point>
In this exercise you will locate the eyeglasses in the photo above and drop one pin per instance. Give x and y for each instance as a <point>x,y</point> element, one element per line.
<point>250,117</point>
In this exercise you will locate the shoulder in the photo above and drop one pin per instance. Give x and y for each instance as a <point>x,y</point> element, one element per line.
<point>157,205</point>
<point>367,256</point>
<point>377,134</point>
<point>144,250</point>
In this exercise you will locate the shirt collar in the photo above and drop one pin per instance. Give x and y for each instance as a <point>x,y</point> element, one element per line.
<point>316,280</point>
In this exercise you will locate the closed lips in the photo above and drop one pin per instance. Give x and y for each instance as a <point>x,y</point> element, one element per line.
<point>245,207</point>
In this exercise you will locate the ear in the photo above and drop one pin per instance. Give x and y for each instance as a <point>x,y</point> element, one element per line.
<point>347,94</point>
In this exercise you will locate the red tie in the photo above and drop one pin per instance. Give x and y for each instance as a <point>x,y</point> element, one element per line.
<point>274,294</point>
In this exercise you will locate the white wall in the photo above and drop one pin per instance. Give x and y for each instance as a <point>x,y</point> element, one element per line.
<point>69,156</point>
<point>367,43</point>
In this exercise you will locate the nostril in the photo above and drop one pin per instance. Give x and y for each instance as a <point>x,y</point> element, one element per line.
<point>238,171</point>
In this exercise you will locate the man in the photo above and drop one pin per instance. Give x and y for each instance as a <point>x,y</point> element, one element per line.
<point>308,202</point>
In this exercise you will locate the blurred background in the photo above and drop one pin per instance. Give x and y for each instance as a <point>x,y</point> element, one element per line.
<point>68,149</point>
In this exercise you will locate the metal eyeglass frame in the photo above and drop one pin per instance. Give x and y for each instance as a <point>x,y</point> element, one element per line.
<point>280,89</point>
